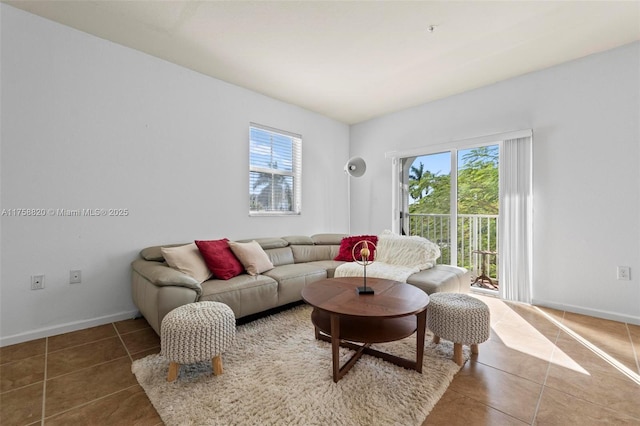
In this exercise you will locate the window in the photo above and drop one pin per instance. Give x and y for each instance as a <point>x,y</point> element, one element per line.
<point>275,170</point>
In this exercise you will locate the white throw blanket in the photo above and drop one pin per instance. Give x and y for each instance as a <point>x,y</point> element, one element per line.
<point>410,251</point>
<point>376,270</point>
<point>397,257</point>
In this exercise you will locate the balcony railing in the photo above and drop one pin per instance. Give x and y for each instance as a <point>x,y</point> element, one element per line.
<point>476,233</point>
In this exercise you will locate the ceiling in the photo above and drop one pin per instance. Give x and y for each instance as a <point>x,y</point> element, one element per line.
<point>354,61</point>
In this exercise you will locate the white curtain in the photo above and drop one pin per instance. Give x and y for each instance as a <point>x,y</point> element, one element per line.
<point>516,219</point>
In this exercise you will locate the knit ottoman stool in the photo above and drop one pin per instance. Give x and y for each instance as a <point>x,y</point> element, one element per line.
<point>459,318</point>
<point>196,332</point>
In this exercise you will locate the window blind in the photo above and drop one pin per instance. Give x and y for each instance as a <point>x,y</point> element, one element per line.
<point>275,171</point>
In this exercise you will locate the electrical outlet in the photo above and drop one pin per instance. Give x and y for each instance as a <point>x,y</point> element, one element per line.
<point>37,282</point>
<point>624,273</point>
<point>75,276</point>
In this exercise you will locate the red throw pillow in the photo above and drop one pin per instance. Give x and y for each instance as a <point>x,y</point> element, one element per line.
<point>346,247</point>
<point>220,259</point>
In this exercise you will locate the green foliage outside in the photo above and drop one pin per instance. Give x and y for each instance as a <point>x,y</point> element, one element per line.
<point>477,195</point>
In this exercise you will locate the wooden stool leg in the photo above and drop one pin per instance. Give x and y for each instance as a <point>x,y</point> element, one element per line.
<point>174,370</point>
<point>457,353</point>
<point>436,339</point>
<point>216,363</point>
<point>474,348</point>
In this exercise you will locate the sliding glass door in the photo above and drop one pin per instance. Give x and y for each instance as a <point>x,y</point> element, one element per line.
<point>427,200</point>
<point>451,197</point>
<point>487,227</point>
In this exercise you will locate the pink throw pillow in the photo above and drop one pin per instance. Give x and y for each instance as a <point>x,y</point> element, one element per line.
<point>220,259</point>
<point>346,247</point>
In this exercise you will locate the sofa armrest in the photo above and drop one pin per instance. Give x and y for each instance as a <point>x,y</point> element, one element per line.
<point>160,274</point>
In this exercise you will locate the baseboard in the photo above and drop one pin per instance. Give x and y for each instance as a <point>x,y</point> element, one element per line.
<point>630,319</point>
<point>66,328</point>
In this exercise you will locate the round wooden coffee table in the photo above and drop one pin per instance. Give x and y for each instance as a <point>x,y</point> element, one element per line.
<point>344,318</point>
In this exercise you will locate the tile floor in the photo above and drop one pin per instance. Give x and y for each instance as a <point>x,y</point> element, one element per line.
<point>540,366</point>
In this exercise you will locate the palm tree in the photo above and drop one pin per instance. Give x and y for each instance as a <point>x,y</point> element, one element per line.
<point>275,192</point>
<point>416,184</point>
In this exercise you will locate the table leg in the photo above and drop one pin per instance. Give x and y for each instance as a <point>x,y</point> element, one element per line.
<point>335,346</point>
<point>422,325</point>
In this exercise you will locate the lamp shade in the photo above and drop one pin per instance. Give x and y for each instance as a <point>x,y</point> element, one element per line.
<point>355,167</point>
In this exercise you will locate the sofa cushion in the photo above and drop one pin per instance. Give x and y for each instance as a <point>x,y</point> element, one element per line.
<point>286,272</point>
<point>161,275</point>
<point>154,253</point>
<point>244,294</point>
<point>328,239</point>
<point>252,257</point>
<point>348,243</point>
<point>328,265</point>
<point>267,243</point>
<point>280,256</point>
<point>219,258</point>
<point>187,259</point>
<point>304,253</point>
<point>441,278</point>
<point>293,278</point>
<point>298,239</point>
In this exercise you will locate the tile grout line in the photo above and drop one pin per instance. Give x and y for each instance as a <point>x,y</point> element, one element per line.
<point>44,381</point>
<point>82,344</point>
<point>496,408</point>
<point>122,342</point>
<point>486,405</point>
<point>633,348</point>
<point>104,396</point>
<point>128,354</point>
<point>90,366</point>
<point>93,400</point>
<point>84,404</point>
<point>48,345</point>
<point>546,375</point>
<point>562,391</point>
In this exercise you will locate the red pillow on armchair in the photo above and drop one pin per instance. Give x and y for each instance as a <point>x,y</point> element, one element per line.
<point>347,244</point>
<point>220,259</point>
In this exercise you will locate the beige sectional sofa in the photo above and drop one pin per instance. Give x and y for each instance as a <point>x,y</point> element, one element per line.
<point>298,261</point>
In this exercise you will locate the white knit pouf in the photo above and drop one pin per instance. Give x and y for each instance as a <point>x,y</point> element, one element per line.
<point>197,332</point>
<point>459,318</point>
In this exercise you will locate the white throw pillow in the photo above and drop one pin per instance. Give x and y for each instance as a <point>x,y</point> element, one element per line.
<point>187,259</point>
<point>252,256</point>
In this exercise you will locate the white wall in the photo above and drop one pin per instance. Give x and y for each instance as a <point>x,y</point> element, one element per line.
<point>585,117</point>
<point>90,124</point>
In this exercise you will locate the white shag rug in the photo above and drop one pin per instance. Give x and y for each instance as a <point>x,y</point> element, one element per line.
<point>277,373</point>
